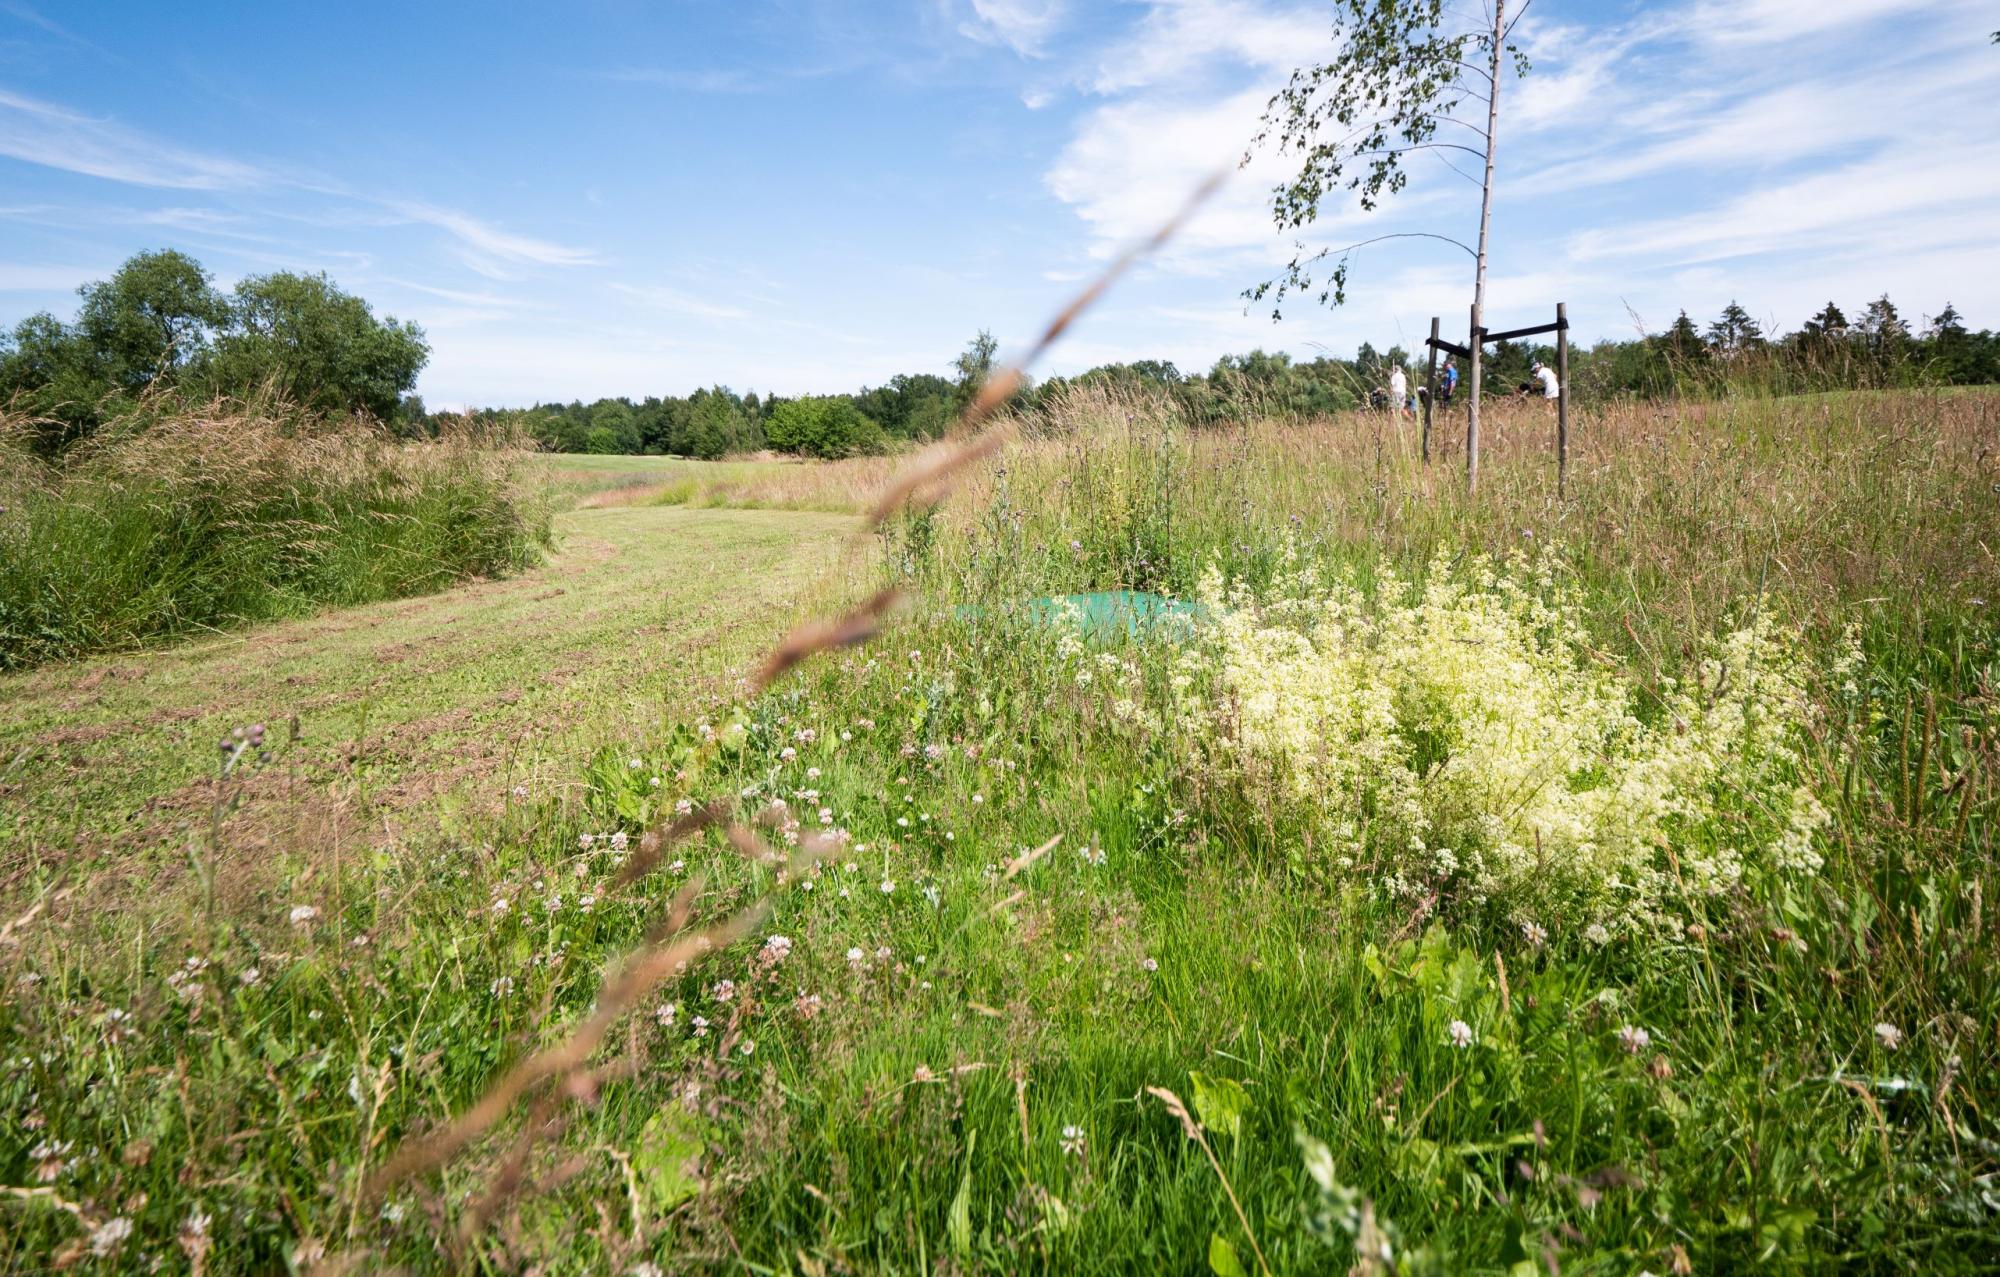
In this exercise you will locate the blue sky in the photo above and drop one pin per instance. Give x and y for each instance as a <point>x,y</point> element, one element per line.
<point>612,197</point>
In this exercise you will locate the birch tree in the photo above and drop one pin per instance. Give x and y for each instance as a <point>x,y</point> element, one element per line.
<point>1405,76</point>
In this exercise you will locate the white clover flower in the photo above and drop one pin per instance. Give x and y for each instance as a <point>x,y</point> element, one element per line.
<point>682,807</point>
<point>748,1047</point>
<point>110,1235</point>
<point>1149,964</point>
<point>723,990</point>
<point>500,906</point>
<point>854,954</point>
<point>503,986</point>
<point>647,1269</point>
<point>618,841</point>
<point>586,841</point>
<point>1535,934</point>
<point>779,947</point>
<point>666,1013</point>
<point>977,799</point>
<point>520,791</point>
<point>653,783</point>
<point>1073,1140</point>
<point>302,914</point>
<point>250,976</point>
<point>1888,1035</point>
<point>812,773</point>
<point>1460,1033</point>
<point>787,754</point>
<point>888,887</point>
<point>1597,935</point>
<point>1634,1040</point>
<point>700,1026</point>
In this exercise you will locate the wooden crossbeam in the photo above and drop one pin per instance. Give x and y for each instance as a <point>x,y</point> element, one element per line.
<point>1441,344</point>
<point>1559,326</point>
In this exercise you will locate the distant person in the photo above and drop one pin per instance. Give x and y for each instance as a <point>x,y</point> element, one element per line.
<point>1399,390</point>
<point>1551,388</point>
<point>1449,381</point>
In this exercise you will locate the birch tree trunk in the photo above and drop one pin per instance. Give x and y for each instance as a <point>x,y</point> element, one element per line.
<point>1473,341</point>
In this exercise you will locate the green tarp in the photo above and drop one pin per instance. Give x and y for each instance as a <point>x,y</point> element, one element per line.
<point>1105,613</point>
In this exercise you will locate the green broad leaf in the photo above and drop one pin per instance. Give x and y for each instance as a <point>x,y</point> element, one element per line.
<point>664,1158</point>
<point>959,1222</point>
<point>1220,1103</point>
<point>1222,1260</point>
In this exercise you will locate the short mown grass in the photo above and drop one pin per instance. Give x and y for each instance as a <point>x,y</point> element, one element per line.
<point>937,1056</point>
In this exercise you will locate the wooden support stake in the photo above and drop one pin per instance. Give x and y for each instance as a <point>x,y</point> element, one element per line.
<point>1478,348</point>
<point>1562,397</point>
<point>1430,389</point>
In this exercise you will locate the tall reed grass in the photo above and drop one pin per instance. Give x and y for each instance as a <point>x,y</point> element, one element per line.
<point>1874,507</point>
<point>218,515</point>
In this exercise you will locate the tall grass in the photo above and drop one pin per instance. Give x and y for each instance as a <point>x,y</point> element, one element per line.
<point>936,1054</point>
<point>216,516</point>
<point>1872,508</point>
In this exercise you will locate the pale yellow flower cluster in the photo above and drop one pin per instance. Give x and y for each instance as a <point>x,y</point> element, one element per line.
<point>1462,735</point>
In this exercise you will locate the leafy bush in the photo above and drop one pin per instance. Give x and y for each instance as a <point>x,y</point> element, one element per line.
<point>1458,736</point>
<point>230,514</point>
<point>823,426</point>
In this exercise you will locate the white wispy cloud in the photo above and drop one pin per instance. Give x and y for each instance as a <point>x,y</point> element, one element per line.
<point>486,247</point>
<point>1750,22</point>
<point>53,136</point>
<point>1024,26</point>
<point>664,298</point>
<point>1182,40</point>
<point>1776,167</point>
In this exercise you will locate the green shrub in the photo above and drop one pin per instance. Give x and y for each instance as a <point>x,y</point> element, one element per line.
<point>823,426</point>
<point>225,515</point>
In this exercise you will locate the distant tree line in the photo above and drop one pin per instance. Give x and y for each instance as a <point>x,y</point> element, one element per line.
<point>1731,355</point>
<point>159,332</point>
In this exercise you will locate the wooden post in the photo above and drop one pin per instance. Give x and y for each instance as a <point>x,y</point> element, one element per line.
<point>1430,389</point>
<point>1562,397</point>
<point>1477,345</point>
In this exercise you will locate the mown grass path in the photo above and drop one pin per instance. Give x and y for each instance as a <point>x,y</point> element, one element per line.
<point>411,710</point>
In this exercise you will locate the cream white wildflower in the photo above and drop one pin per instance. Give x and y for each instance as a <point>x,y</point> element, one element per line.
<point>1889,1036</point>
<point>1467,721</point>
<point>302,914</point>
<point>1459,1033</point>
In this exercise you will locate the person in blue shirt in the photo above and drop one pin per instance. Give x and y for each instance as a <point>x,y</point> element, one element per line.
<point>1450,380</point>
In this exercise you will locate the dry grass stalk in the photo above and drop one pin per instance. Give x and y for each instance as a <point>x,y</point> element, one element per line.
<point>664,951</point>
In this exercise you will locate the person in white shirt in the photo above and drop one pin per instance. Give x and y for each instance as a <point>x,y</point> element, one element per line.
<point>1551,389</point>
<point>1399,391</point>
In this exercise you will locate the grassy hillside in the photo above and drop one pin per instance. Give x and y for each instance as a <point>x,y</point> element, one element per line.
<point>1593,879</point>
